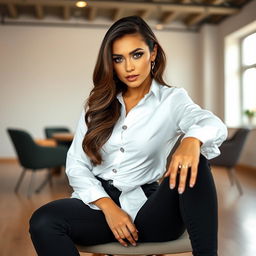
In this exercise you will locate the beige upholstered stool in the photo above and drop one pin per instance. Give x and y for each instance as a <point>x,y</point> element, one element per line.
<point>180,245</point>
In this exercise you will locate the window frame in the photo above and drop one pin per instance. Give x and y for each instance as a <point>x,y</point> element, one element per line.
<point>242,69</point>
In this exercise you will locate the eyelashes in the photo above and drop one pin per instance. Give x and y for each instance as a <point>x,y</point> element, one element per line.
<point>139,54</point>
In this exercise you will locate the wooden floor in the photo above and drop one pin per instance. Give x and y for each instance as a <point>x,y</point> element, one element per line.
<point>237,214</point>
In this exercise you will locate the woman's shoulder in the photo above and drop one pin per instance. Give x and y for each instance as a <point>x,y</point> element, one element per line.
<point>172,89</point>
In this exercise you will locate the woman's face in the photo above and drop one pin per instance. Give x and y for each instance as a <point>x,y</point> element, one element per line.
<point>131,56</point>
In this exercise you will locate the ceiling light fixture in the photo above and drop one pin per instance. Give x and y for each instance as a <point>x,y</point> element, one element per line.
<point>81,4</point>
<point>159,26</point>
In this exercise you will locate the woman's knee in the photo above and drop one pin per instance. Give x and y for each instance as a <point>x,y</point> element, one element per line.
<point>43,221</point>
<point>38,221</point>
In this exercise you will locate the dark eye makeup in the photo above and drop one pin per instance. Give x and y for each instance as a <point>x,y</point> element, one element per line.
<point>139,54</point>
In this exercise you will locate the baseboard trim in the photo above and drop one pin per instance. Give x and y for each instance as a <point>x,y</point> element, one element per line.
<point>246,167</point>
<point>4,160</point>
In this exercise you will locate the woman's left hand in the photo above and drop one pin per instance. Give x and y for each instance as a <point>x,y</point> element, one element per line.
<point>186,155</point>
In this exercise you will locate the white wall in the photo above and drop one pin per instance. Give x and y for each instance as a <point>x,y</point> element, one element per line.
<point>209,68</point>
<point>230,26</point>
<point>46,74</point>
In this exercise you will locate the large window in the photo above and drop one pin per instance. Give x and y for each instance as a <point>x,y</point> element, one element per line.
<point>248,73</point>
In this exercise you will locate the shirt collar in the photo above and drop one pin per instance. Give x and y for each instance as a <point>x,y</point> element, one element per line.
<point>154,88</point>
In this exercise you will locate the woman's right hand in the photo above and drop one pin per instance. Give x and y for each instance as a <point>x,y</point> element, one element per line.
<point>119,221</point>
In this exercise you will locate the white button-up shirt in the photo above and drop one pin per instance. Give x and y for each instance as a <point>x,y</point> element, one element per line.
<point>137,151</point>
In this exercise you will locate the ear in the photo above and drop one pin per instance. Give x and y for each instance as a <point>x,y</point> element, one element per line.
<point>154,53</point>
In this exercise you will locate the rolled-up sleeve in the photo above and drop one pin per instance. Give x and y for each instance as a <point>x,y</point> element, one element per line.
<point>79,169</point>
<point>199,123</point>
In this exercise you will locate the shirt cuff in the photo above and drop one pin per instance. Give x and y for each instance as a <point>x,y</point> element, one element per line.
<point>207,135</point>
<point>210,151</point>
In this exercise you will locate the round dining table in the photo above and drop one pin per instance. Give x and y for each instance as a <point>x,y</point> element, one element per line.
<point>63,136</point>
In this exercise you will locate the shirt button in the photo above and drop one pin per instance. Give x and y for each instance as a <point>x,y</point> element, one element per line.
<point>121,149</point>
<point>124,127</point>
<point>114,170</point>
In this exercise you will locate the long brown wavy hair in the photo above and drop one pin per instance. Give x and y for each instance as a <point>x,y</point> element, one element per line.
<point>102,108</point>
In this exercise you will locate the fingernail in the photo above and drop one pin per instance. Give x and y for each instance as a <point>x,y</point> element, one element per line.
<point>191,185</point>
<point>171,186</point>
<point>180,190</point>
<point>134,244</point>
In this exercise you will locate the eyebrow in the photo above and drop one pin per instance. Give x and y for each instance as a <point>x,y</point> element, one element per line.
<point>129,53</point>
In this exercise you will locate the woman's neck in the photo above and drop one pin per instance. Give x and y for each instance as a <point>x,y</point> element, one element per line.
<point>139,92</point>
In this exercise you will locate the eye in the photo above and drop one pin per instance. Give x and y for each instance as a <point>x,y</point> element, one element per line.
<point>116,60</point>
<point>139,54</point>
<point>136,55</point>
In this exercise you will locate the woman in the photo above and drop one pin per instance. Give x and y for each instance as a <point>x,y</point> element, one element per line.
<point>130,123</point>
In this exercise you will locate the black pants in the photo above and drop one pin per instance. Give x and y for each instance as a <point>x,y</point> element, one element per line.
<point>56,226</point>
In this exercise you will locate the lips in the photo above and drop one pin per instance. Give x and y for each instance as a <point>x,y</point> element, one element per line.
<point>132,78</point>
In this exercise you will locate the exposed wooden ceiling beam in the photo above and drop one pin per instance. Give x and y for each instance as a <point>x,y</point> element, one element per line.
<point>239,2</point>
<point>221,10</point>
<point>164,8</point>
<point>215,2</point>
<point>185,1</point>
<point>12,10</point>
<point>169,17</point>
<point>66,12</point>
<point>92,11</point>
<point>198,9</point>
<point>144,13</point>
<point>117,14</point>
<point>128,5</point>
<point>194,19</point>
<point>124,5</point>
<point>39,11</point>
<point>217,18</point>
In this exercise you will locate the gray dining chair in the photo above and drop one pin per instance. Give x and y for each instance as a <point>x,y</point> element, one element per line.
<point>180,245</point>
<point>231,150</point>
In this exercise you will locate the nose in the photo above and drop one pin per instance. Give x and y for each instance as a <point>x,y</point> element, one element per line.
<point>129,66</point>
